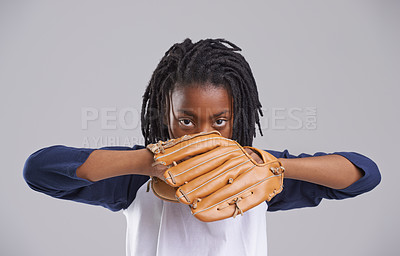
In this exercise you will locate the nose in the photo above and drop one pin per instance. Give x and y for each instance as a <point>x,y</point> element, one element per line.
<point>205,127</point>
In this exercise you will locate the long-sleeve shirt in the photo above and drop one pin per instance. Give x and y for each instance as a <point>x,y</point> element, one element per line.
<point>152,223</point>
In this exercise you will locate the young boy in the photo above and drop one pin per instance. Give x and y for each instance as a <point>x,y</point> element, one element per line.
<point>197,87</point>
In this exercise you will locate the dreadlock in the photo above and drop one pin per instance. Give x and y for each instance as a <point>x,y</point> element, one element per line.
<point>210,61</point>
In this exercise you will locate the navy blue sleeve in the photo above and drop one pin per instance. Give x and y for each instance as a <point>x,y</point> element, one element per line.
<point>298,194</point>
<point>52,171</point>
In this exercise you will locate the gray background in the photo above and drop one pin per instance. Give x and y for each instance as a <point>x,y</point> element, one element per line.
<point>342,57</point>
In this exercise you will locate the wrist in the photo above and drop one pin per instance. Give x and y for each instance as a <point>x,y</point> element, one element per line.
<point>285,164</point>
<point>146,164</point>
<point>144,159</point>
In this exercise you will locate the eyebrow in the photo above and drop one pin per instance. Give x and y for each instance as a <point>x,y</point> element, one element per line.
<point>190,113</point>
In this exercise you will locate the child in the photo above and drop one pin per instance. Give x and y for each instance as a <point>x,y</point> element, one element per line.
<point>195,88</point>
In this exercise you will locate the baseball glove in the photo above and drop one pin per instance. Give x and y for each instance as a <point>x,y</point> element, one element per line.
<point>214,175</point>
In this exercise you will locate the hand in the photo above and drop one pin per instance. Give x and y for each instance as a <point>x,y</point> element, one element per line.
<point>218,175</point>
<point>254,155</point>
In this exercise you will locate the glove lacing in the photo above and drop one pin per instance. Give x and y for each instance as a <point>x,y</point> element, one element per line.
<point>237,208</point>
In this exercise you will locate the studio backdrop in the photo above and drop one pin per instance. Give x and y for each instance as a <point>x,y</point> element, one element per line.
<point>73,73</point>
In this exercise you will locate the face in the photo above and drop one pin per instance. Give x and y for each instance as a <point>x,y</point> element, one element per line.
<point>194,109</point>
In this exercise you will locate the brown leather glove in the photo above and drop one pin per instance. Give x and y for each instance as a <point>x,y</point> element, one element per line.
<point>214,175</point>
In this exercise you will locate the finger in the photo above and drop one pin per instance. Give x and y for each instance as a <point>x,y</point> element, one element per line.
<point>263,157</point>
<point>159,170</point>
<point>198,165</point>
<point>214,180</point>
<point>253,155</point>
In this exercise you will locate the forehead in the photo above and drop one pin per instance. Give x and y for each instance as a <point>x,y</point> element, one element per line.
<point>193,98</point>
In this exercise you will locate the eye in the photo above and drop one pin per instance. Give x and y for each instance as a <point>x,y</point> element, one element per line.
<point>186,122</point>
<point>220,122</point>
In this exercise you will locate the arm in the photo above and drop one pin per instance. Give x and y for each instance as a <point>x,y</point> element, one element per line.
<point>310,178</point>
<point>103,164</point>
<point>333,171</point>
<point>52,171</point>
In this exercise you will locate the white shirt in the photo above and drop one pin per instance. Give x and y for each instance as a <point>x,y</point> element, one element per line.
<point>160,228</point>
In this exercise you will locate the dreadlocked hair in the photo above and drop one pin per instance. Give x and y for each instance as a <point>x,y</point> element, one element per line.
<point>210,61</point>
